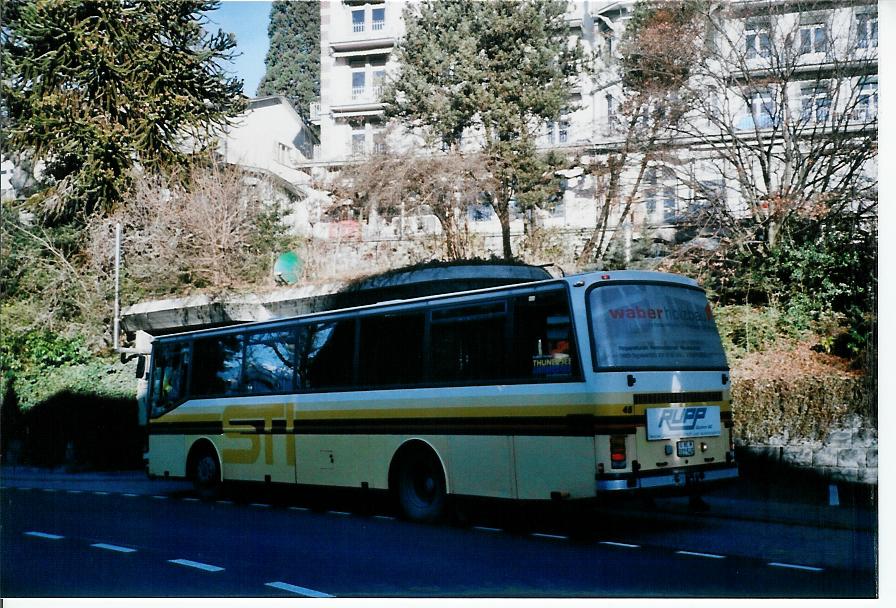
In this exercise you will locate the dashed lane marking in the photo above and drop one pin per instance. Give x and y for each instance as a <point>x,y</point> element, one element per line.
<point>74,491</point>
<point>615,544</point>
<point>101,493</point>
<point>224,502</point>
<point>552,536</point>
<point>259,504</point>
<point>339,513</point>
<point>486,529</point>
<point>297,590</point>
<point>46,535</point>
<point>131,495</point>
<point>189,499</point>
<point>795,567</point>
<point>299,509</point>
<point>698,554</point>
<point>386,517</point>
<point>117,548</point>
<point>49,489</point>
<point>160,497</point>
<point>198,565</point>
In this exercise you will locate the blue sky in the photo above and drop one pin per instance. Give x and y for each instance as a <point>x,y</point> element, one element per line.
<point>249,22</point>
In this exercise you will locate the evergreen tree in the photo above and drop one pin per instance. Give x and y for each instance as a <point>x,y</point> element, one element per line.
<point>92,87</point>
<point>497,70</point>
<point>293,59</point>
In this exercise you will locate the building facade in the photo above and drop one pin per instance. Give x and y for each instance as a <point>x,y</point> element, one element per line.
<point>782,69</point>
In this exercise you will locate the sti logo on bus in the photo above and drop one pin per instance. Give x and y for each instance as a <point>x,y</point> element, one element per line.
<point>668,422</point>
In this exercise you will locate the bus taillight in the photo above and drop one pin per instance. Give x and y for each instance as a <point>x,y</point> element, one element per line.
<point>617,451</point>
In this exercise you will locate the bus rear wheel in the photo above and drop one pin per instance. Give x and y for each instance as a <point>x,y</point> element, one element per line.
<point>206,473</point>
<point>420,486</point>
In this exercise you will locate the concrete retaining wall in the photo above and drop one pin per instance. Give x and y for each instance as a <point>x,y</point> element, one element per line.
<point>848,452</point>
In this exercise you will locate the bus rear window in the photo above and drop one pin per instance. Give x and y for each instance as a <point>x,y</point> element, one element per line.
<point>653,326</point>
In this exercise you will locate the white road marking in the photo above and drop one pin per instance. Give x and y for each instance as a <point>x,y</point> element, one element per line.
<point>199,565</point>
<point>297,590</point>
<point>614,544</point>
<point>44,535</point>
<point>49,489</point>
<point>795,567</point>
<point>554,536</point>
<point>113,548</point>
<point>299,509</point>
<point>485,529</point>
<point>386,517</point>
<point>131,495</point>
<point>188,499</point>
<point>101,493</point>
<point>75,491</point>
<point>160,497</point>
<point>259,504</point>
<point>339,513</point>
<point>698,554</point>
<point>224,502</point>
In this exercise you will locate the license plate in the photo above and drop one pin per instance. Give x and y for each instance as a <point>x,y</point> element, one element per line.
<point>685,448</point>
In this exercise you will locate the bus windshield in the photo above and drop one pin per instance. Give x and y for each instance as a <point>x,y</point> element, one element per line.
<point>651,326</point>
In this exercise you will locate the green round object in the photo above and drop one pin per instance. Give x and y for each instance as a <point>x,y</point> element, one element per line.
<point>288,268</point>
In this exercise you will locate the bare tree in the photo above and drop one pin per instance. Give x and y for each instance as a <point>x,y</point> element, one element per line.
<point>397,185</point>
<point>647,96</point>
<point>785,114</point>
<point>208,227</point>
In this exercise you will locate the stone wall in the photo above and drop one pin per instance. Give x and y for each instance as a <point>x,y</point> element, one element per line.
<point>847,453</point>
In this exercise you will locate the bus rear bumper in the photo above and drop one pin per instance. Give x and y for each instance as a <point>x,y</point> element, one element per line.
<point>667,480</point>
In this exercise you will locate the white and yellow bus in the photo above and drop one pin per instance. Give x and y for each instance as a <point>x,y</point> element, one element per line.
<point>565,388</point>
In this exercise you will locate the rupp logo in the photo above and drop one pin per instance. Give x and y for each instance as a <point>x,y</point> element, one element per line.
<point>681,418</point>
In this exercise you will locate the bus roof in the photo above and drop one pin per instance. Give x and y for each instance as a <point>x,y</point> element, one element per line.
<point>576,280</point>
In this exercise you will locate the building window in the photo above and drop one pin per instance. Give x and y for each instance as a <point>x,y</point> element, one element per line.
<point>660,201</point>
<point>813,38</point>
<point>358,85</point>
<point>709,194</point>
<point>757,39</point>
<point>762,109</point>
<point>611,110</point>
<point>866,30</point>
<point>359,143</point>
<point>379,79</point>
<point>378,20</point>
<point>815,104</point>
<point>479,212</point>
<point>379,143</point>
<point>358,21</point>
<point>866,102</point>
<point>549,132</point>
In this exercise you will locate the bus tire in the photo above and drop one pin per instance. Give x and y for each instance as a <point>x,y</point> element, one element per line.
<point>205,471</point>
<point>420,485</point>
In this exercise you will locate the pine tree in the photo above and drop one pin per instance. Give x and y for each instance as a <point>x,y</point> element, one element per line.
<point>92,87</point>
<point>293,59</point>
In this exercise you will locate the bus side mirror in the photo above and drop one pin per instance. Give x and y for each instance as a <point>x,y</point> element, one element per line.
<point>141,367</point>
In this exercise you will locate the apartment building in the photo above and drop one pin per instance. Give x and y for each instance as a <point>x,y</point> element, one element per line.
<point>828,51</point>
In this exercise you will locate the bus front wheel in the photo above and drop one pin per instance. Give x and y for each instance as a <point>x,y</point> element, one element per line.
<point>205,472</point>
<point>420,486</point>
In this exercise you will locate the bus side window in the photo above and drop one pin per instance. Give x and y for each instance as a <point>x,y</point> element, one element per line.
<point>327,355</point>
<point>168,378</point>
<point>543,346</point>
<point>270,362</point>
<point>217,366</point>
<point>467,343</point>
<point>391,350</point>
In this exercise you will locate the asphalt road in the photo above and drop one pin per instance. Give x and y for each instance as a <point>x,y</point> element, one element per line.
<point>102,540</point>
